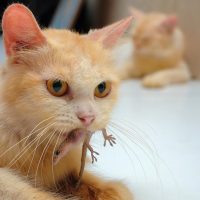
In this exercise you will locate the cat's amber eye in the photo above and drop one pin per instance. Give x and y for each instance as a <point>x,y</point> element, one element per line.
<point>103,89</point>
<point>57,88</point>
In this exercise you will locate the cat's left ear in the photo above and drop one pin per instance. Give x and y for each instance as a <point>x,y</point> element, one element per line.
<point>168,24</point>
<point>20,29</point>
<point>109,35</point>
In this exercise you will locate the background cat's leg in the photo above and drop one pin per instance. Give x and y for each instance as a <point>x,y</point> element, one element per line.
<point>161,78</point>
<point>94,188</point>
<point>13,187</point>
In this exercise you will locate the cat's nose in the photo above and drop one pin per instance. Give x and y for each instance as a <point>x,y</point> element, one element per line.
<point>86,119</point>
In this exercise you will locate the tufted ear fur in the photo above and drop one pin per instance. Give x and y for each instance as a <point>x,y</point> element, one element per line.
<point>109,35</point>
<point>20,29</point>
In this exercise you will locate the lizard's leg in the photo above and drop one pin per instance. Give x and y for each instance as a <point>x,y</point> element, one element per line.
<point>109,138</point>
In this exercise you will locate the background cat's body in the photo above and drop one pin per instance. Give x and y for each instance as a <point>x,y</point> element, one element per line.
<point>158,55</point>
<point>34,122</point>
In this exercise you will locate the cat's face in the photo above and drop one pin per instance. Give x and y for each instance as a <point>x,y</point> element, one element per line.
<point>153,33</point>
<point>56,77</point>
<point>62,81</point>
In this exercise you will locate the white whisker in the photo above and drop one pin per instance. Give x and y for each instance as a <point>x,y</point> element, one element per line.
<point>26,148</point>
<point>25,138</point>
<point>38,144</point>
<point>44,150</point>
<point>52,165</point>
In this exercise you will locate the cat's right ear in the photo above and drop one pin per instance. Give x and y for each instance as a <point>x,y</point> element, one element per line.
<point>20,29</point>
<point>168,24</point>
<point>109,35</point>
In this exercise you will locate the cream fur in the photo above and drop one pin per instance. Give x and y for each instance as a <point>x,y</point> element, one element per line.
<point>31,118</point>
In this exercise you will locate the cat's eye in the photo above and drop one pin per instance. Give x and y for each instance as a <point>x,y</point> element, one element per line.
<point>57,88</point>
<point>103,89</point>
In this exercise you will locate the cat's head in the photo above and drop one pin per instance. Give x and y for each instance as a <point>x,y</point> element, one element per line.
<point>155,33</point>
<point>57,77</point>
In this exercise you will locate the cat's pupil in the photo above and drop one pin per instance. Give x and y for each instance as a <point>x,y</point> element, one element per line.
<point>102,87</point>
<point>57,85</point>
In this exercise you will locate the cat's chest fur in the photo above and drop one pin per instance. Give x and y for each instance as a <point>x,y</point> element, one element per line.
<point>38,165</point>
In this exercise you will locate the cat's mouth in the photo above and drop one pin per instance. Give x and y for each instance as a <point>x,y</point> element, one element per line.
<point>76,135</point>
<point>71,139</point>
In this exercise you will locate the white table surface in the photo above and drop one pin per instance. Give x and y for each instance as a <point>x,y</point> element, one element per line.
<point>163,160</point>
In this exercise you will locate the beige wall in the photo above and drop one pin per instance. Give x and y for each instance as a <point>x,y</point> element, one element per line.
<point>187,10</point>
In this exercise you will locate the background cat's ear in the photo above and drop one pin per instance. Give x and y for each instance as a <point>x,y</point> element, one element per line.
<point>20,29</point>
<point>137,14</point>
<point>109,35</point>
<point>168,24</point>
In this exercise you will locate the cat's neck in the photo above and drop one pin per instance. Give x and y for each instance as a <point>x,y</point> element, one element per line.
<point>34,160</point>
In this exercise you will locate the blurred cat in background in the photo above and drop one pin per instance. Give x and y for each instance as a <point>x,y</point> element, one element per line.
<point>158,55</point>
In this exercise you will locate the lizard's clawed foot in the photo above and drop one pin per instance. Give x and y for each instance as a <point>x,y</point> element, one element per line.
<point>110,138</point>
<point>93,153</point>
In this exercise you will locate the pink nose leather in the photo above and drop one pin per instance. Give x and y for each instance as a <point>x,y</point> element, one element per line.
<point>87,119</point>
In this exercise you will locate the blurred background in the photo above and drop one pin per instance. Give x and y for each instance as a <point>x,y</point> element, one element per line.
<point>81,15</point>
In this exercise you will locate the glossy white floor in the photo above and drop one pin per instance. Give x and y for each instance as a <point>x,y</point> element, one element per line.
<point>163,160</point>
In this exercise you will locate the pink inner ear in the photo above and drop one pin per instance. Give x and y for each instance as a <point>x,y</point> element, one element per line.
<point>20,29</point>
<point>109,35</point>
<point>169,23</point>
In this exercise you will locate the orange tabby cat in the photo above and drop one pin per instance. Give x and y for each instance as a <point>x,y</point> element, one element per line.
<point>158,51</point>
<point>54,84</point>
